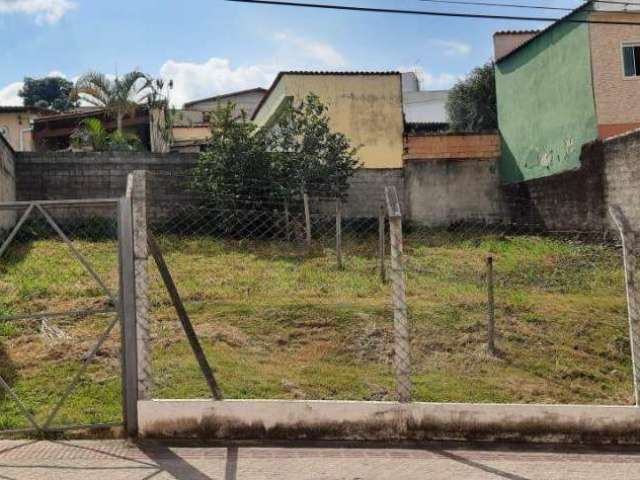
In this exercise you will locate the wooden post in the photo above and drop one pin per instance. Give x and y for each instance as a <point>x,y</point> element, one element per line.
<point>381,244</point>
<point>307,218</point>
<point>339,233</point>
<point>491,343</point>
<point>170,285</point>
<point>287,224</point>
<point>629,250</point>
<point>402,347</point>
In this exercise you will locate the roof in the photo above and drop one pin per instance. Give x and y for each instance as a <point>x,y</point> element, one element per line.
<point>82,112</point>
<point>516,32</point>
<point>20,108</point>
<point>542,31</point>
<point>316,72</point>
<point>225,95</point>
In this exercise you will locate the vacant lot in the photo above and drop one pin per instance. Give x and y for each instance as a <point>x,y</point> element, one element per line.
<point>279,324</point>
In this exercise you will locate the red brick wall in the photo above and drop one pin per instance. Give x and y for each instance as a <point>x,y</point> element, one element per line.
<point>451,146</point>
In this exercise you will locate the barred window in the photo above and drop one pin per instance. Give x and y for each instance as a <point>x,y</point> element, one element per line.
<point>631,60</point>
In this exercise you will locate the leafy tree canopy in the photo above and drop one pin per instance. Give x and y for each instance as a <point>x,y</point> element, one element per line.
<point>471,106</point>
<point>236,167</point>
<point>48,92</point>
<point>311,156</point>
<point>299,154</point>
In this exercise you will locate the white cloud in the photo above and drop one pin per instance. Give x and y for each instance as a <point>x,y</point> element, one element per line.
<point>9,95</point>
<point>213,77</point>
<point>431,81</point>
<point>452,47</point>
<point>45,11</point>
<point>310,50</point>
<point>56,73</point>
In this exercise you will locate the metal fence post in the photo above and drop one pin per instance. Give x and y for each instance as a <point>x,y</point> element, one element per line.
<point>137,191</point>
<point>402,347</point>
<point>629,251</point>
<point>381,244</point>
<point>339,233</point>
<point>127,312</point>
<point>491,342</point>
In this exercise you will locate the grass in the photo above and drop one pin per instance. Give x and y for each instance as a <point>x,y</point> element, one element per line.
<point>278,324</point>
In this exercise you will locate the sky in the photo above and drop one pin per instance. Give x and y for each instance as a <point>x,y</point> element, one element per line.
<point>209,47</point>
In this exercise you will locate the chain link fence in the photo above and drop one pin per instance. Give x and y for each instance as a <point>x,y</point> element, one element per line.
<point>286,296</point>
<point>305,299</point>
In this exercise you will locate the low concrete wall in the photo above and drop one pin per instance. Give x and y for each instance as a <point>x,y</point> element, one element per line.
<point>7,182</point>
<point>441,192</point>
<point>344,420</point>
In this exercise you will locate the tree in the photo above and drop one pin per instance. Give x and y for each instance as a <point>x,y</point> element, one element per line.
<point>117,96</point>
<point>246,166</point>
<point>471,106</point>
<point>48,92</point>
<point>310,156</point>
<point>236,169</point>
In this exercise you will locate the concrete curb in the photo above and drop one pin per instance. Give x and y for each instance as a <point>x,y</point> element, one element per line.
<point>386,421</point>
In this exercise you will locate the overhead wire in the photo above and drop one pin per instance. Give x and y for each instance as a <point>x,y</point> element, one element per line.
<point>352,8</point>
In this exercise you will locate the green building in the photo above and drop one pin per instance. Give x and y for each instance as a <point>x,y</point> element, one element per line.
<point>565,86</point>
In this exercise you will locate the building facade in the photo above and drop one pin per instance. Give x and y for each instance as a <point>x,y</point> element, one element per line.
<point>16,126</point>
<point>365,106</point>
<point>565,86</point>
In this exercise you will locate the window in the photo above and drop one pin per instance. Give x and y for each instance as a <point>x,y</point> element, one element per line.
<point>631,60</point>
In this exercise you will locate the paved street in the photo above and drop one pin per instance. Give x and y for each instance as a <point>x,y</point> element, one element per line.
<point>114,460</point>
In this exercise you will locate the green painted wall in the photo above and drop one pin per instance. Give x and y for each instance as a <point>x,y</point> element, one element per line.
<point>546,109</point>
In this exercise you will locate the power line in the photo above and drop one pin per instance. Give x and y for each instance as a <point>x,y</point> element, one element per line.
<point>489,4</point>
<point>430,13</point>
<point>529,6</point>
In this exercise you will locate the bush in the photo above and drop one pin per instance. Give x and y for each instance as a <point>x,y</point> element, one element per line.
<point>471,106</point>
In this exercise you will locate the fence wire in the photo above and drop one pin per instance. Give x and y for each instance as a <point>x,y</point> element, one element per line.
<point>290,303</point>
<point>284,307</point>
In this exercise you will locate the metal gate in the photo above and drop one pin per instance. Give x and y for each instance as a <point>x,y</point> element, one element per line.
<point>93,234</point>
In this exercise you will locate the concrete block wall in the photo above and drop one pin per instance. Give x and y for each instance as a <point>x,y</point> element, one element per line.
<point>622,176</point>
<point>444,191</point>
<point>7,182</point>
<point>579,199</point>
<point>571,200</point>
<point>66,175</point>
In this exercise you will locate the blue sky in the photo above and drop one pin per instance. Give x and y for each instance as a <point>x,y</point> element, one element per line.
<point>211,46</point>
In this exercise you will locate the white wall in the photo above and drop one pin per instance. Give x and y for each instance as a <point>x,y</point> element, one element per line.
<point>422,106</point>
<point>425,106</point>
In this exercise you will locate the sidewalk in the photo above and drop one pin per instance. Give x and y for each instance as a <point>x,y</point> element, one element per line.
<point>115,460</point>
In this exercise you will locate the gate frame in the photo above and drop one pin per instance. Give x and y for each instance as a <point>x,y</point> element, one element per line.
<point>124,307</point>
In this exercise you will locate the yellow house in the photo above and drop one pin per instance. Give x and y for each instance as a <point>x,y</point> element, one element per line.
<point>365,106</point>
<point>16,126</point>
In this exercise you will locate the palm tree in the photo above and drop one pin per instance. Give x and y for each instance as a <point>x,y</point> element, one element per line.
<point>116,96</point>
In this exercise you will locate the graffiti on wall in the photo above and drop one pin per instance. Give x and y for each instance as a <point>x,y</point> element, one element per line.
<point>552,155</point>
